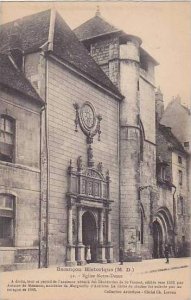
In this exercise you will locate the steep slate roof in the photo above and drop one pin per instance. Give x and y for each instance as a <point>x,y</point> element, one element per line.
<point>14,79</point>
<point>97,26</point>
<point>34,30</point>
<point>170,138</point>
<point>66,46</point>
<point>94,27</point>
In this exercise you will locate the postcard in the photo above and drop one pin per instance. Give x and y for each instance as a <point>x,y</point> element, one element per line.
<point>95,150</point>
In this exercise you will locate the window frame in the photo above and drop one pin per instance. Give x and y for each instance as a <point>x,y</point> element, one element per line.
<point>181,206</point>
<point>8,213</point>
<point>163,173</point>
<point>180,177</point>
<point>180,159</point>
<point>13,137</point>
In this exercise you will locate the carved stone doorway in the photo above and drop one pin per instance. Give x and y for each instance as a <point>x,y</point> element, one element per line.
<point>89,233</point>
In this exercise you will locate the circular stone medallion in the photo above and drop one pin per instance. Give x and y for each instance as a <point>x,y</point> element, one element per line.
<point>87,116</point>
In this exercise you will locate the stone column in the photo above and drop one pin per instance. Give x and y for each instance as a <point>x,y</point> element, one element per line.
<point>109,247</point>
<point>100,237</point>
<point>70,260</point>
<point>109,227</point>
<point>80,246</point>
<point>70,233</point>
<point>79,225</point>
<point>101,247</point>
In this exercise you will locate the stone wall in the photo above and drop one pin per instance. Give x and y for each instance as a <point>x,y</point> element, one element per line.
<point>22,178</point>
<point>148,182</point>
<point>148,165</point>
<point>106,54</point>
<point>183,209</point>
<point>65,89</point>
<point>164,153</point>
<point>147,108</point>
<point>27,132</point>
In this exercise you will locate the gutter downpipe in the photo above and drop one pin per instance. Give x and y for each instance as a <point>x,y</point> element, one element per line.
<point>48,166</point>
<point>47,170</point>
<point>119,159</point>
<point>40,199</point>
<point>49,43</point>
<point>174,220</point>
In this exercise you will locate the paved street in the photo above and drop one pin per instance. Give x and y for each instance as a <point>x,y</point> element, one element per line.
<point>146,266</point>
<point>155,265</point>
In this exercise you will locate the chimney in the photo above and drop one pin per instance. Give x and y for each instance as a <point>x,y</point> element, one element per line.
<point>159,105</point>
<point>15,45</point>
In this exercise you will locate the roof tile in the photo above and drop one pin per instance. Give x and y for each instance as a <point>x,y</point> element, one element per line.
<point>13,78</point>
<point>35,32</point>
<point>170,138</point>
<point>68,47</point>
<point>94,27</point>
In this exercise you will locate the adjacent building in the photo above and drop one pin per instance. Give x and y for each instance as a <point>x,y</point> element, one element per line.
<point>20,110</point>
<point>178,118</point>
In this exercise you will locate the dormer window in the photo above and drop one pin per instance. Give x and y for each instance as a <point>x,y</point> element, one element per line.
<point>7,138</point>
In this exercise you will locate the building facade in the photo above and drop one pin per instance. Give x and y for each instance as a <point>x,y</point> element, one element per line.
<point>181,174</point>
<point>97,182</point>
<point>20,108</point>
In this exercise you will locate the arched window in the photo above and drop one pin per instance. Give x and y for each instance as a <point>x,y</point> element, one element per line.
<point>181,205</point>
<point>6,220</point>
<point>7,138</point>
<point>142,138</point>
<point>141,145</point>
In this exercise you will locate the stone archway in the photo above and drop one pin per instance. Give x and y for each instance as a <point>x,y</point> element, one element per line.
<point>89,233</point>
<point>162,232</point>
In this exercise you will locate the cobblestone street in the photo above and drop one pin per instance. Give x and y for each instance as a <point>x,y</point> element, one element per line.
<point>146,266</point>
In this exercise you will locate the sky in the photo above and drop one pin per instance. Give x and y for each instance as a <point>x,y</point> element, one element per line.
<point>164,27</point>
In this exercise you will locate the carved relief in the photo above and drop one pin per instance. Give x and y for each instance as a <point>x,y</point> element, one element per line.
<point>79,163</point>
<point>90,156</point>
<point>88,120</point>
<point>88,181</point>
<point>100,167</point>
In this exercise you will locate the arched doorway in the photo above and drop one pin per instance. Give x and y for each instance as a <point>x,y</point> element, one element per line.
<point>89,233</point>
<point>157,240</point>
<point>163,232</point>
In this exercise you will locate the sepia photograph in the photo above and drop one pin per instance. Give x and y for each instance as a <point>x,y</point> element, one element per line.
<point>95,150</point>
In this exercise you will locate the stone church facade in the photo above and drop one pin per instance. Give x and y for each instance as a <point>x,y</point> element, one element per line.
<point>98,149</point>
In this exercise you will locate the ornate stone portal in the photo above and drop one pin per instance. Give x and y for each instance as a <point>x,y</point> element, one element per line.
<point>88,203</point>
<point>89,213</point>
